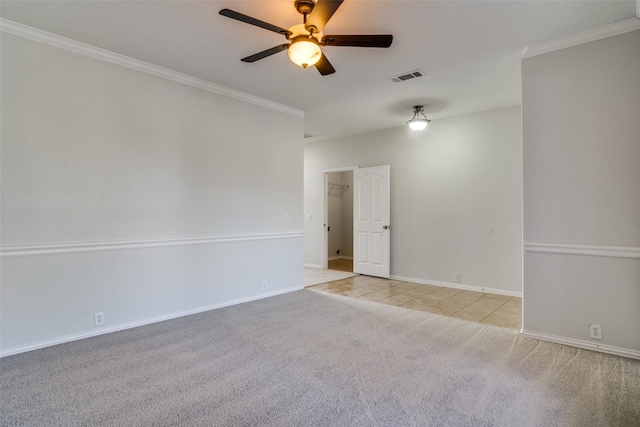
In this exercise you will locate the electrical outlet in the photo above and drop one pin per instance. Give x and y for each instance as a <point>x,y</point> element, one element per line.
<point>264,286</point>
<point>595,331</point>
<point>456,278</point>
<point>286,217</point>
<point>98,318</point>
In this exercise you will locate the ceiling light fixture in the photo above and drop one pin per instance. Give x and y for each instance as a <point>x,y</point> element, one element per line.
<point>417,123</point>
<point>304,51</point>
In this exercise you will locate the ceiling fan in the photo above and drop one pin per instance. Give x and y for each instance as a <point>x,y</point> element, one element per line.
<point>307,38</point>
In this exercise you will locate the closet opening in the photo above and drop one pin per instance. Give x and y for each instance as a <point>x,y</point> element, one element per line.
<point>338,236</point>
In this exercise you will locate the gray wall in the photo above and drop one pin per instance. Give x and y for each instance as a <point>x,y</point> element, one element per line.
<point>136,196</point>
<point>581,124</point>
<point>456,194</point>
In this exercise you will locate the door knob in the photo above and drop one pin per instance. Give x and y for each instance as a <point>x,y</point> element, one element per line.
<point>386,227</point>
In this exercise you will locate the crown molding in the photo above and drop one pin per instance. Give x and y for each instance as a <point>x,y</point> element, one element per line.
<point>587,36</point>
<point>41,36</point>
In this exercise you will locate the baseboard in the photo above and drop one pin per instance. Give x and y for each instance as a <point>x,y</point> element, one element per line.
<point>336,258</point>
<point>148,321</point>
<point>459,286</point>
<point>588,345</point>
<point>313,266</point>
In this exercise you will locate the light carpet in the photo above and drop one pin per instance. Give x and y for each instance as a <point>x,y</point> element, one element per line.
<point>316,276</point>
<point>311,359</point>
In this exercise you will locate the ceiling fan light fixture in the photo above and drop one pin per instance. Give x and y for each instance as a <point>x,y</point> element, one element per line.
<point>307,39</point>
<point>419,121</point>
<point>304,52</point>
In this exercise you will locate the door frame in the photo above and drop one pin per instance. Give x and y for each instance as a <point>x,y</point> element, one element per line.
<point>324,260</point>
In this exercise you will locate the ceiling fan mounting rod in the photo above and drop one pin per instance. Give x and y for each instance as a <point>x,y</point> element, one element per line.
<point>304,7</point>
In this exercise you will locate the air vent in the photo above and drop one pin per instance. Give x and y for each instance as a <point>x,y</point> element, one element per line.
<point>407,76</point>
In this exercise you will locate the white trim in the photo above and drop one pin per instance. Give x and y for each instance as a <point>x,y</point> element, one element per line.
<point>148,321</point>
<point>337,258</point>
<point>587,36</point>
<point>342,169</point>
<point>316,266</point>
<point>324,258</point>
<point>63,248</point>
<point>590,250</point>
<point>41,36</point>
<point>618,351</point>
<point>459,286</point>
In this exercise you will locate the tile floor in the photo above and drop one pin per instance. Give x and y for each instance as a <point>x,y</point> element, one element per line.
<point>498,310</point>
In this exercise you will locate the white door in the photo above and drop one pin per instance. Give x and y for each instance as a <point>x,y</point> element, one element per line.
<point>371,221</point>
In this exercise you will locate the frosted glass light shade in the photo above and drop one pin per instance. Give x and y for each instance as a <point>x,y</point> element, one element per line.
<point>304,53</point>
<point>417,124</point>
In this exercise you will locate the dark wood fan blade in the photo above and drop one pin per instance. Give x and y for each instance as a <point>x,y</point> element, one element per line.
<point>253,21</point>
<point>324,66</point>
<point>369,40</point>
<point>265,53</point>
<point>321,13</point>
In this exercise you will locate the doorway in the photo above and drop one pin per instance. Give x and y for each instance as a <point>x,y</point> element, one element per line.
<point>365,193</point>
<point>339,220</point>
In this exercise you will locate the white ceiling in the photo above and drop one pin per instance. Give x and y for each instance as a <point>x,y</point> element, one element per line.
<point>470,50</point>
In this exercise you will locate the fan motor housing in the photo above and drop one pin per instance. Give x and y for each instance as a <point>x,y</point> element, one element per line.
<point>299,30</point>
<point>304,7</point>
